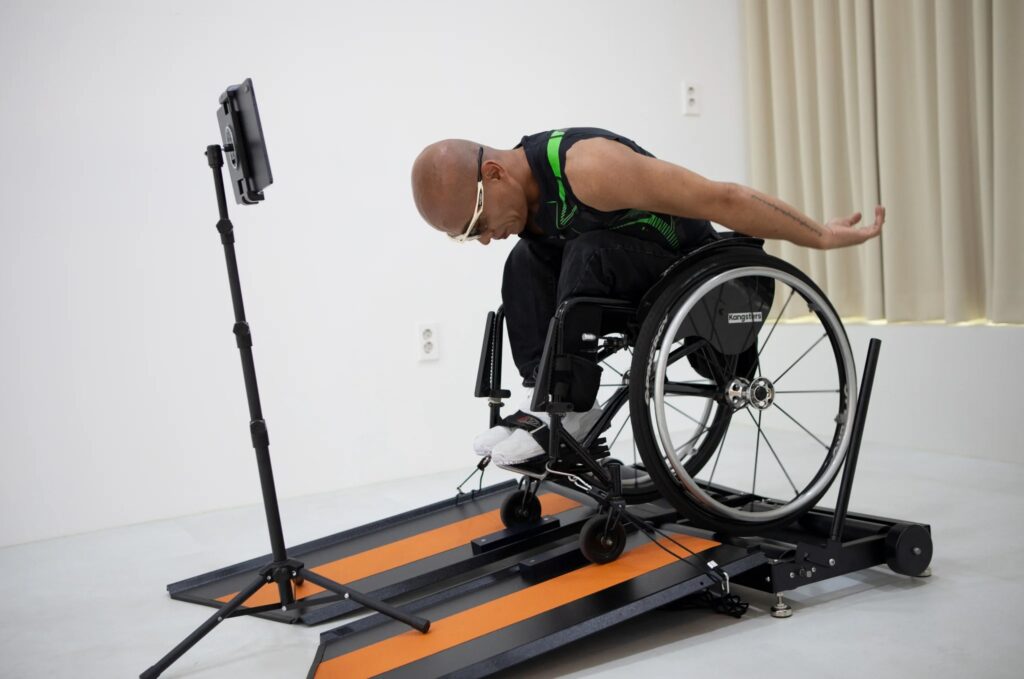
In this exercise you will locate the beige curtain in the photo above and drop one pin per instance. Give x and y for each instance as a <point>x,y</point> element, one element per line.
<point>914,104</point>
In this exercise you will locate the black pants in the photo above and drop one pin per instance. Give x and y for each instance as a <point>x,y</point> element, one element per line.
<point>541,274</point>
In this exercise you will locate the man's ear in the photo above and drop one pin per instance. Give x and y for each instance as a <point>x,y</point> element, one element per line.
<point>493,170</point>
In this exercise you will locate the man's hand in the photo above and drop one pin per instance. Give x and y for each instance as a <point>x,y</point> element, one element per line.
<point>841,231</point>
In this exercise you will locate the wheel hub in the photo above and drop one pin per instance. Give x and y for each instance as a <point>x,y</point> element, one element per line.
<point>759,393</point>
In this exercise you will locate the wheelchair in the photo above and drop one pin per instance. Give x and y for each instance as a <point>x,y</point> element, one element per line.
<point>738,433</point>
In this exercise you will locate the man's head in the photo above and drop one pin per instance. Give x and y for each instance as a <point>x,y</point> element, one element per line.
<point>446,189</point>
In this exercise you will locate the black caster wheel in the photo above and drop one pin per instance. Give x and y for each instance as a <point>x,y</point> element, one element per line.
<point>908,548</point>
<point>520,508</point>
<point>601,542</point>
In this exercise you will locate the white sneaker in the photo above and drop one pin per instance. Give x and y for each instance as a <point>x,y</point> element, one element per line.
<point>484,443</point>
<point>520,446</point>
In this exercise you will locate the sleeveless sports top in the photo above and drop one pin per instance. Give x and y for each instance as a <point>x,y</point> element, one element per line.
<point>562,215</point>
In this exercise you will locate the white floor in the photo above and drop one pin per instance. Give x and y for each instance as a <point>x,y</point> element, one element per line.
<point>95,606</point>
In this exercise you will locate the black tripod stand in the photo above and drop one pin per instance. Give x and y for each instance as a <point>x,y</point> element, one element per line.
<point>281,570</point>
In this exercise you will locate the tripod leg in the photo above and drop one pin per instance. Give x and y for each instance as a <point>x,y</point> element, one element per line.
<point>414,621</point>
<point>223,612</point>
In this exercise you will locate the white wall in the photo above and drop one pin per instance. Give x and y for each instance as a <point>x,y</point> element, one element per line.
<point>120,391</point>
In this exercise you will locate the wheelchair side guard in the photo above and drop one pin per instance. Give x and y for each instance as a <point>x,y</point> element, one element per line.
<point>725,243</point>
<point>731,319</point>
<point>564,379</point>
<point>728,321</point>
<point>562,374</point>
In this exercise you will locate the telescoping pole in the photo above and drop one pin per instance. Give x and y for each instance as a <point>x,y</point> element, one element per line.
<point>243,338</point>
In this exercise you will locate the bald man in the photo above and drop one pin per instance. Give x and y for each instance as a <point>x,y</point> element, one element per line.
<point>596,215</point>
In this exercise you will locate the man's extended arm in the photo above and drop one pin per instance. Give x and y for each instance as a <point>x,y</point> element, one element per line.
<point>610,176</point>
<point>756,214</point>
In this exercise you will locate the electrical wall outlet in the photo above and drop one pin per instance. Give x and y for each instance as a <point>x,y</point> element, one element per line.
<point>691,99</point>
<point>427,348</point>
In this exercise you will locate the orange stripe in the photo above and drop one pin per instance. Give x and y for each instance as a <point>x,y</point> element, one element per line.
<point>408,647</point>
<point>404,551</point>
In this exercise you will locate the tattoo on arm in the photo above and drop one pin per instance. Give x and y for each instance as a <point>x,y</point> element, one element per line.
<point>802,222</point>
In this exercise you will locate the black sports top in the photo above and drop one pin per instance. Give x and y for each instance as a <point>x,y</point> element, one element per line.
<point>562,215</point>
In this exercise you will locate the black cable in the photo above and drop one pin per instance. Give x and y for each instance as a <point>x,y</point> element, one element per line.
<point>726,603</point>
<point>480,468</point>
<point>649,529</point>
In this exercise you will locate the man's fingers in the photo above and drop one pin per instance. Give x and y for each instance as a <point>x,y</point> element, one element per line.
<point>853,219</point>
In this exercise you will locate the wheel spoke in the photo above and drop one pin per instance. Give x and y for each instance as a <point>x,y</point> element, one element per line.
<point>792,291</point>
<point>693,419</point>
<point>757,451</point>
<point>776,456</point>
<point>685,350</point>
<point>716,367</point>
<point>612,444</point>
<point>776,380</point>
<point>825,445</point>
<point>718,455</point>
<point>605,364</point>
<point>808,391</point>
<point>693,438</point>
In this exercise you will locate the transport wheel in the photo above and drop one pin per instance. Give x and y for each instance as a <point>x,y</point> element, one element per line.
<point>706,372</point>
<point>908,548</point>
<point>520,508</point>
<point>602,541</point>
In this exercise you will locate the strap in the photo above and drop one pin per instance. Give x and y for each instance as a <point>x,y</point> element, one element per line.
<point>532,425</point>
<point>523,420</point>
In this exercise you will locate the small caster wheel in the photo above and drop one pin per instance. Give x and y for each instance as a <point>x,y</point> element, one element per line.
<point>298,580</point>
<point>520,508</point>
<point>908,549</point>
<point>600,542</point>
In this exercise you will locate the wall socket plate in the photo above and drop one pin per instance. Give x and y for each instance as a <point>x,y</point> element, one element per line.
<point>427,348</point>
<point>692,97</point>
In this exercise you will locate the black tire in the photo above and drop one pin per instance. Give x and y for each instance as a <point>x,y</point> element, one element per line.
<point>665,478</point>
<point>602,541</point>
<point>520,508</point>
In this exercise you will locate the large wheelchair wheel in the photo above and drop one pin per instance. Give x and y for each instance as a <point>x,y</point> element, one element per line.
<point>739,431</point>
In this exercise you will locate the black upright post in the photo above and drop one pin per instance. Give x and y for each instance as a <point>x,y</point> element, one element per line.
<point>857,431</point>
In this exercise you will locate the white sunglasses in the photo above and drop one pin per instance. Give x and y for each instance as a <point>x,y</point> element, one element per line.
<point>468,234</point>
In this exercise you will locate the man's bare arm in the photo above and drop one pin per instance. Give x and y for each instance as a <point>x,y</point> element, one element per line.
<point>610,176</point>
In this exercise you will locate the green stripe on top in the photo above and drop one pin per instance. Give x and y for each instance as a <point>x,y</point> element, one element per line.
<point>554,143</point>
<point>554,147</point>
